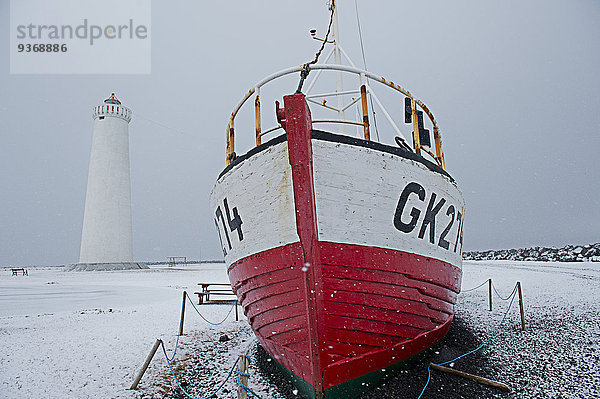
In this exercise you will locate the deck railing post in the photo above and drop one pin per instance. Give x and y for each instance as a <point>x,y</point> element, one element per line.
<point>416,127</point>
<point>257,117</point>
<point>230,142</point>
<point>438,147</point>
<point>365,111</point>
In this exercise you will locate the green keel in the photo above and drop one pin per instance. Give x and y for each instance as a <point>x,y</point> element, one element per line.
<point>351,388</point>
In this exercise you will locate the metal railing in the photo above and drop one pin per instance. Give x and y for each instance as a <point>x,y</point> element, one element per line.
<point>364,76</point>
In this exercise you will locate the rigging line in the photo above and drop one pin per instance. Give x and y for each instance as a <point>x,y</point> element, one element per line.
<point>137,114</point>
<point>326,36</point>
<point>362,49</point>
<point>306,68</point>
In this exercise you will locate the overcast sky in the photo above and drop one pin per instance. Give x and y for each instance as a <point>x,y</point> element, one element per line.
<point>514,85</point>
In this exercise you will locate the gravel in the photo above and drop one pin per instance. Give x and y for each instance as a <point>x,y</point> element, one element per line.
<point>557,356</point>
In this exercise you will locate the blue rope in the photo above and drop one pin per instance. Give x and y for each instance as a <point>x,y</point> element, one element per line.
<point>476,349</point>
<point>205,319</point>
<point>170,359</point>
<point>240,383</point>
<point>179,384</point>
<point>175,351</point>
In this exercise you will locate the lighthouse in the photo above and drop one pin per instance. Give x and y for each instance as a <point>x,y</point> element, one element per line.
<point>106,237</point>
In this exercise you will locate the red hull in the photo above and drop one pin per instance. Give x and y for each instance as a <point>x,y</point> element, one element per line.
<point>380,307</point>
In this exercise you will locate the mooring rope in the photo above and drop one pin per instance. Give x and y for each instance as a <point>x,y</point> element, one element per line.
<point>476,349</point>
<point>205,319</point>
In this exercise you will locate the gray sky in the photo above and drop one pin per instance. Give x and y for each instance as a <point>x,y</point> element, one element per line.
<point>514,86</point>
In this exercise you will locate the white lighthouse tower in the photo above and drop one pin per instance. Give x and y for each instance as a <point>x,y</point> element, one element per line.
<point>106,238</point>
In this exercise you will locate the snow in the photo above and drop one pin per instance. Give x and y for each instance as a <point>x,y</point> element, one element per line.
<point>86,334</point>
<point>559,352</point>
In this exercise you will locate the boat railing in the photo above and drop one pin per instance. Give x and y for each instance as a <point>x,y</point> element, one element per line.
<point>411,112</point>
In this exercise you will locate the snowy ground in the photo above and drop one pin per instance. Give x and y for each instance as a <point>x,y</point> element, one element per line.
<point>86,334</point>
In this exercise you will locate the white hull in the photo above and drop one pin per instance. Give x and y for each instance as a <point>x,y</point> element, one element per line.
<point>358,192</point>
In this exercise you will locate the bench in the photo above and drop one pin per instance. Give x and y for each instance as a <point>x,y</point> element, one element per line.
<point>218,289</point>
<point>15,272</point>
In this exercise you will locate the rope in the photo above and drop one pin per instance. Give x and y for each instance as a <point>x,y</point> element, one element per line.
<point>170,359</point>
<point>205,319</point>
<point>175,351</point>
<point>179,384</point>
<point>476,349</point>
<point>318,54</point>
<point>240,383</point>
<point>500,296</point>
<point>215,324</point>
<point>306,68</point>
<point>479,286</point>
<point>138,115</point>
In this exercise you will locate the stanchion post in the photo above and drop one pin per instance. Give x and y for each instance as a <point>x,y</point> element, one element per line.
<point>237,317</point>
<point>521,306</point>
<point>182,313</point>
<point>145,366</point>
<point>490,292</point>
<point>243,369</point>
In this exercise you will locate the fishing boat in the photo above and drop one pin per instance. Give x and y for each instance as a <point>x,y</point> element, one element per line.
<point>344,252</point>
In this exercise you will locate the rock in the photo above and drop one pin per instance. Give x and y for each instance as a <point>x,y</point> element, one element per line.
<point>224,338</point>
<point>569,253</point>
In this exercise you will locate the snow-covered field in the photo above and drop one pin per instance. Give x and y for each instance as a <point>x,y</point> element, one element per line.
<point>86,334</point>
<point>558,355</point>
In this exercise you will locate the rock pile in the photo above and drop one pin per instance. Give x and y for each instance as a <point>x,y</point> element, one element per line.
<point>570,253</point>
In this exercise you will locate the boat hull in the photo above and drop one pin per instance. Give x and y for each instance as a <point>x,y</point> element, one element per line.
<point>345,254</point>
